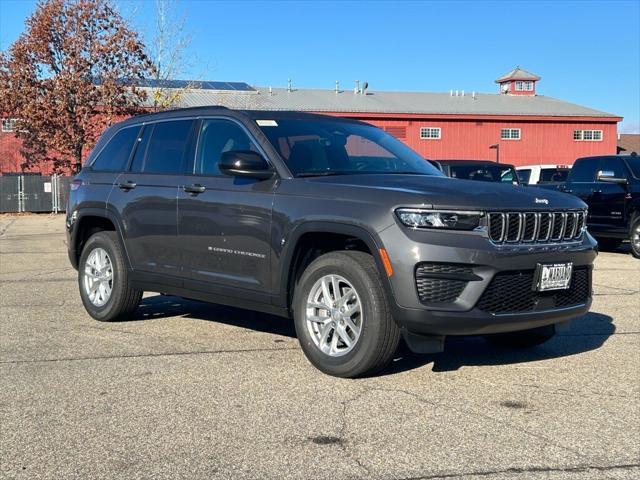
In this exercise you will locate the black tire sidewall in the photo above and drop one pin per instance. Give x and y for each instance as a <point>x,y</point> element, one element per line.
<point>634,225</point>
<point>109,310</point>
<point>372,303</point>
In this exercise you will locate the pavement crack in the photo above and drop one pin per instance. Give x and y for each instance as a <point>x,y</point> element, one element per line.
<point>483,416</point>
<point>4,229</point>
<point>526,471</point>
<point>146,355</point>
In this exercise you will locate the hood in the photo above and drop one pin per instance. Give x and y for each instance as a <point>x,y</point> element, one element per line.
<point>451,193</point>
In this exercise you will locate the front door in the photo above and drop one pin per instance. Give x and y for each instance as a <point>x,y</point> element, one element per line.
<point>607,203</point>
<point>224,222</point>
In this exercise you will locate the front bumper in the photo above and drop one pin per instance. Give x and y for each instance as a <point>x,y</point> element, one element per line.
<point>409,248</point>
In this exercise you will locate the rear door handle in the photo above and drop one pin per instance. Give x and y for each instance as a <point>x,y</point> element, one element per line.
<point>128,185</point>
<point>194,189</point>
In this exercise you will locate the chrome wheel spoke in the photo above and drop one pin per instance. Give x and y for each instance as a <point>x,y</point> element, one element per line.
<point>354,328</point>
<point>344,336</point>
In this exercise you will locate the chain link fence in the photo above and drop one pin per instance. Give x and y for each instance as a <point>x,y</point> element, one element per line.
<point>33,193</point>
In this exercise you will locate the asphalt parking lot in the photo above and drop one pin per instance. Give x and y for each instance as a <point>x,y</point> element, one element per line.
<point>191,390</point>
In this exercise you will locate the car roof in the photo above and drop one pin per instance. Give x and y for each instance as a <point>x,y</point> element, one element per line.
<point>546,165</point>
<point>473,162</point>
<point>227,112</point>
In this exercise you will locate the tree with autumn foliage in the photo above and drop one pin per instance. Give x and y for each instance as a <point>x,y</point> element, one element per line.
<point>70,75</point>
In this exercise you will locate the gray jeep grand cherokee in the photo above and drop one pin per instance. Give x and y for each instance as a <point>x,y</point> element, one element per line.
<point>328,220</point>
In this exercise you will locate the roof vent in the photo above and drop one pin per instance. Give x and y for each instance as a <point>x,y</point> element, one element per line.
<point>473,95</point>
<point>357,87</point>
<point>270,90</point>
<point>451,93</point>
<point>337,86</point>
<point>365,85</point>
<point>288,85</point>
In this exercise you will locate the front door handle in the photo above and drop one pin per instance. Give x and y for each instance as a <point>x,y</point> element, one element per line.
<point>128,185</point>
<point>194,189</point>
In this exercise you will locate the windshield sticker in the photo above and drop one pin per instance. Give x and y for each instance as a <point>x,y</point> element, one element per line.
<point>267,123</point>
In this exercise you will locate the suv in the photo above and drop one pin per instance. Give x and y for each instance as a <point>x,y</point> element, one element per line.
<point>330,221</point>
<point>480,170</point>
<point>610,185</point>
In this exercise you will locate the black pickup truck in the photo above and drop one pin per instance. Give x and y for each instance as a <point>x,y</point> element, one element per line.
<point>610,186</point>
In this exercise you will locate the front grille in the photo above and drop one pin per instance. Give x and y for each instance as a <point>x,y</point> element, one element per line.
<point>536,227</point>
<point>442,282</point>
<point>511,292</point>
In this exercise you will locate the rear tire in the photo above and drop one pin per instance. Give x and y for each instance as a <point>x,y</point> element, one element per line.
<point>374,338</point>
<point>103,279</point>
<point>523,339</point>
<point>634,236</point>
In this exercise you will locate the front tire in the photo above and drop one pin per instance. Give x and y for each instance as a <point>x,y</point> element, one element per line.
<point>103,279</point>
<point>523,339</point>
<point>634,236</point>
<point>342,316</point>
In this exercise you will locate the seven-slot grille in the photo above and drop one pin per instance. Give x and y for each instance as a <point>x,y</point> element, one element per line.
<point>536,227</point>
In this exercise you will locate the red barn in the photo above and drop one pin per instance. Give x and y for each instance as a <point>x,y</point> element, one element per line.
<point>529,128</point>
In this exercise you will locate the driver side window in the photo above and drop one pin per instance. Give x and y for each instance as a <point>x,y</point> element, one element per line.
<point>216,137</point>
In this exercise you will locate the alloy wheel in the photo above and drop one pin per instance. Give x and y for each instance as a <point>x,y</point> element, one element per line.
<point>334,315</point>
<point>98,277</point>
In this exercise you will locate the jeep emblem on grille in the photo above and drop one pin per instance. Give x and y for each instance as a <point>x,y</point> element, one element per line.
<point>542,200</point>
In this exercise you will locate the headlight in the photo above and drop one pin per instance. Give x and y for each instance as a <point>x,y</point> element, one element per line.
<point>439,219</point>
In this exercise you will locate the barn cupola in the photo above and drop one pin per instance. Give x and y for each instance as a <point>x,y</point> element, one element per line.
<point>518,82</point>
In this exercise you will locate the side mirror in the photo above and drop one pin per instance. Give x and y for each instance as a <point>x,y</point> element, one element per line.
<point>245,163</point>
<point>609,177</point>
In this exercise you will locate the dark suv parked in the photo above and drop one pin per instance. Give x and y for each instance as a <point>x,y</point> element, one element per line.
<point>328,220</point>
<point>610,186</point>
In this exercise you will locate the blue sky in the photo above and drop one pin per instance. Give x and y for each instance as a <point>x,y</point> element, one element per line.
<point>587,52</point>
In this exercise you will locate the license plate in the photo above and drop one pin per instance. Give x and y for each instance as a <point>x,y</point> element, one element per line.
<point>553,276</point>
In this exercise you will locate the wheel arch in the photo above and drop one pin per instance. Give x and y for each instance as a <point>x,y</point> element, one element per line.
<point>311,239</point>
<point>89,222</point>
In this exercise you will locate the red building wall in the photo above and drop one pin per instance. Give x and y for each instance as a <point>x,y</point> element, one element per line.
<point>541,140</point>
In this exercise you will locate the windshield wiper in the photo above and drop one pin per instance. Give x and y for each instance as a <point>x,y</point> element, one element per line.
<point>327,173</point>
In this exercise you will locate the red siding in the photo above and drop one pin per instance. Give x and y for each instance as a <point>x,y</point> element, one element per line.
<point>541,141</point>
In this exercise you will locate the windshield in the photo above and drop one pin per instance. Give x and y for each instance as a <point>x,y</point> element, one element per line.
<point>484,173</point>
<point>313,147</point>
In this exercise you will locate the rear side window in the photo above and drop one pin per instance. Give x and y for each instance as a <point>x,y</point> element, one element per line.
<point>548,175</point>
<point>115,155</point>
<point>524,175</point>
<point>169,147</point>
<point>584,170</point>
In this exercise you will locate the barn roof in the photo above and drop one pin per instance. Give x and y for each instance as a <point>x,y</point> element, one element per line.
<point>517,74</point>
<point>384,102</point>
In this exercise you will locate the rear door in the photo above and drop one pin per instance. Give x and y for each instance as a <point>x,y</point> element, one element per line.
<point>224,222</point>
<point>146,198</point>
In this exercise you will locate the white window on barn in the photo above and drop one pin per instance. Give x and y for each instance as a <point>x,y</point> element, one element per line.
<point>510,134</point>
<point>519,86</point>
<point>8,125</point>
<point>528,86</point>
<point>587,135</point>
<point>430,133</point>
